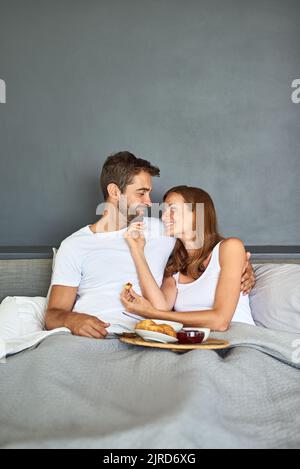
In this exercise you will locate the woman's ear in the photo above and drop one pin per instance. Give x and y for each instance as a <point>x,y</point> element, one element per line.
<point>113,191</point>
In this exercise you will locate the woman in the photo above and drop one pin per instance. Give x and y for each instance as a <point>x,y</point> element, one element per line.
<point>201,286</point>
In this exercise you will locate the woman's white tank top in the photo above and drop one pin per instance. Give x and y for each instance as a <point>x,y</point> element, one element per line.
<point>200,294</point>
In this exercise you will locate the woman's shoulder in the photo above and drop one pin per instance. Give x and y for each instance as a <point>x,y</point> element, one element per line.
<point>170,280</point>
<point>232,242</point>
<point>232,247</point>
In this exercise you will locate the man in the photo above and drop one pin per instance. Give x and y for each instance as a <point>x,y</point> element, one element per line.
<point>93,264</point>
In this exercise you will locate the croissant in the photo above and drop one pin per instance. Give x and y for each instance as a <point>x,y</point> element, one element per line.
<point>144,325</point>
<point>169,330</point>
<point>149,325</point>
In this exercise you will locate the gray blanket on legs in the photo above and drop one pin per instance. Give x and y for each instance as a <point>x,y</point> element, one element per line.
<point>72,392</point>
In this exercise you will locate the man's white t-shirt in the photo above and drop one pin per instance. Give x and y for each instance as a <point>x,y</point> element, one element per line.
<point>101,264</point>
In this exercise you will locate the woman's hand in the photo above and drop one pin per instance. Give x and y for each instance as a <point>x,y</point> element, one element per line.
<point>135,303</point>
<point>135,236</point>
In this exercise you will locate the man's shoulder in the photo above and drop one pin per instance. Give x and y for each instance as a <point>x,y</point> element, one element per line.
<point>76,239</point>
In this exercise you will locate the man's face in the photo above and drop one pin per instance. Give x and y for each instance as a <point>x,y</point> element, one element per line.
<point>137,195</point>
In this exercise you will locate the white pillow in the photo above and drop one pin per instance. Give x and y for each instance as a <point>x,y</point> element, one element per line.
<point>54,250</point>
<point>21,315</point>
<point>22,323</point>
<point>275,299</point>
<point>10,326</point>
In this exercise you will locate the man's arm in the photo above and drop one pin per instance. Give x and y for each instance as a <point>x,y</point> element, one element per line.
<point>59,314</point>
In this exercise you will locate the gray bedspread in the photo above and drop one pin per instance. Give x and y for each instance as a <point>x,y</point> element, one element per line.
<point>72,392</point>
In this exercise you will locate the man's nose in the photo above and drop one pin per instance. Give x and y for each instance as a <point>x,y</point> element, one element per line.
<point>148,201</point>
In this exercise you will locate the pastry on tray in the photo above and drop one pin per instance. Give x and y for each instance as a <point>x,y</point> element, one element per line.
<point>149,325</point>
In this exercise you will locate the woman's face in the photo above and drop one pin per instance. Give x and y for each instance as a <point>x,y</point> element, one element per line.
<point>177,217</point>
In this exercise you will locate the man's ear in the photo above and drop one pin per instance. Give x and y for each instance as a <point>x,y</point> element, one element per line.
<point>113,191</point>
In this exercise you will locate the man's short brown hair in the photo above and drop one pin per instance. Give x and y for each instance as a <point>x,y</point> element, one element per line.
<point>121,168</point>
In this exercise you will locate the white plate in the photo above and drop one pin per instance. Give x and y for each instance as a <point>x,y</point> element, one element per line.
<point>176,325</point>
<point>200,329</point>
<point>151,336</point>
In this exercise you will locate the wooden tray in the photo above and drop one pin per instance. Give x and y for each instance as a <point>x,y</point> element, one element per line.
<point>210,344</point>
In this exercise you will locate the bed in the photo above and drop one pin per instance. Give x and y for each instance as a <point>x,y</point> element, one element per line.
<point>72,392</point>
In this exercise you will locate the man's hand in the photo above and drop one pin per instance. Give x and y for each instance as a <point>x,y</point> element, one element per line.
<point>60,314</point>
<point>248,278</point>
<point>85,325</point>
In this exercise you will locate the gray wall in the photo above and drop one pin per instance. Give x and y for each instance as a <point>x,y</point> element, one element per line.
<point>200,87</point>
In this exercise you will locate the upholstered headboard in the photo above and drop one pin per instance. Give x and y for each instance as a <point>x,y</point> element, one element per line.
<point>31,277</point>
<point>25,277</point>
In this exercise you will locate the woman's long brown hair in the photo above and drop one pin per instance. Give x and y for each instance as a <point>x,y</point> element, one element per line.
<point>180,260</point>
